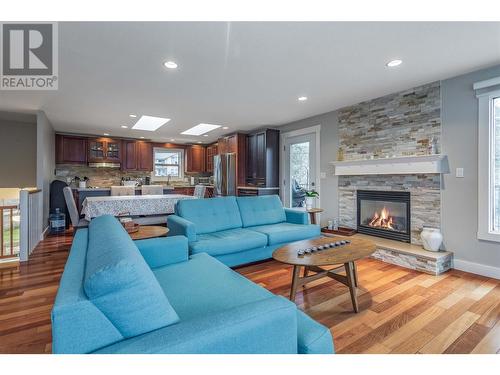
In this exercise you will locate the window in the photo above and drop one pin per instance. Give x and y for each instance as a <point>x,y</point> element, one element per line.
<point>168,164</point>
<point>489,165</point>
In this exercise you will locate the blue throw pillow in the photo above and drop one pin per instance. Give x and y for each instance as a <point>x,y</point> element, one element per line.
<point>119,282</point>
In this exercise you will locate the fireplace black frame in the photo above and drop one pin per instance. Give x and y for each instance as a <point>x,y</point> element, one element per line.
<point>391,196</point>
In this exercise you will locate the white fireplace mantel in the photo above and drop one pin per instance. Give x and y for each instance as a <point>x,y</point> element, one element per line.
<point>427,164</point>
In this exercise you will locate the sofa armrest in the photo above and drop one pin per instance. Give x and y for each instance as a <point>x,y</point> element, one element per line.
<point>158,252</point>
<point>267,326</point>
<point>181,227</point>
<point>296,216</point>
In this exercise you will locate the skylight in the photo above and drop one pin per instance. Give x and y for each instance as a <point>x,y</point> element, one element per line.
<point>200,129</point>
<point>150,123</point>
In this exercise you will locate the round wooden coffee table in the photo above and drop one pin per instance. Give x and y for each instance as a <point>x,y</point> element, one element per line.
<point>149,231</point>
<point>344,254</point>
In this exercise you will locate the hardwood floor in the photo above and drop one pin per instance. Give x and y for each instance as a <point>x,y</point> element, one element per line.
<point>401,311</point>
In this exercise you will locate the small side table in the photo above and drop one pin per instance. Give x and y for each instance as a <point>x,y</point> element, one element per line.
<point>149,231</point>
<point>312,214</point>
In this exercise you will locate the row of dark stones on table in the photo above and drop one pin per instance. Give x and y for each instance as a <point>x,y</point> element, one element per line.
<point>325,246</point>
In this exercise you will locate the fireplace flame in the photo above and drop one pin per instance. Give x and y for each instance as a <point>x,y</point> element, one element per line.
<point>382,220</point>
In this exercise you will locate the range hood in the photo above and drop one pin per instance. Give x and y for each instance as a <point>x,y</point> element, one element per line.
<point>104,165</point>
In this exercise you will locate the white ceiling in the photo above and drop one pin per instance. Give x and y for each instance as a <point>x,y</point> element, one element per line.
<point>242,75</point>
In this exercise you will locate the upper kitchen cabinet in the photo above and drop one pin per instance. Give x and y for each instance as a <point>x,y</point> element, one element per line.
<point>211,152</point>
<point>104,150</point>
<point>195,159</point>
<point>263,158</point>
<point>137,156</point>
<point>71,149</point>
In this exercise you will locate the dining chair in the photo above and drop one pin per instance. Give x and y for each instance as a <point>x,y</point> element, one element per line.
<point>76,221</point>
<point>199,191</point>
<point>152,190</point>
<point>122,190</point>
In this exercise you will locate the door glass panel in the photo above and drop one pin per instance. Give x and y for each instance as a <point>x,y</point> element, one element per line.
<point>496,165</point>
<point>299,172</point>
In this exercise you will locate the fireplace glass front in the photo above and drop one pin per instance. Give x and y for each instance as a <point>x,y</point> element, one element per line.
<point>384,214</point>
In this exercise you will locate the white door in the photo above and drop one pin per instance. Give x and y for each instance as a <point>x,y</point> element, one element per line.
<point>300,168</point>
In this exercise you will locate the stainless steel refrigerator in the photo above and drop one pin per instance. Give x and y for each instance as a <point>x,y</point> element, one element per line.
<point>225,174</point>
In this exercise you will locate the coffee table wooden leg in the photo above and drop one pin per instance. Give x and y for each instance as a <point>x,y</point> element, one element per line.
<point>355,272</point>
<point>306,272</point>
<point>295,280</point>
<point>349,270</point>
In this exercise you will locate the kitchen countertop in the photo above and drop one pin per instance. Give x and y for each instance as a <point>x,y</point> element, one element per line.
<point>258,188</point>
<point>165,187</point>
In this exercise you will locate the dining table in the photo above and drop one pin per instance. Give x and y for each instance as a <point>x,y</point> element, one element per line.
<point>131,205</point>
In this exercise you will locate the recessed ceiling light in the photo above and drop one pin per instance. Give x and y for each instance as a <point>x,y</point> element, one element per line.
<point>170,64</point>
<point>124,127</point>
<point>205,135</point>
<point>172,139</point>
<point>200,129</point>
<point>106,134</point>
<point>141,137</point>
<point>225,127</point>
<point>150,123</point>
<point>302,98</point>
<point>132,115</point>
<point>200,142</point>
<point>393,63</point>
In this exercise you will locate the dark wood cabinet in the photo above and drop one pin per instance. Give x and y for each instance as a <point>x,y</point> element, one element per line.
<point>137,156</point>
<point>263,158</point>
<point>71,150</point>
<point>195,159</point>
<point>104,150</point>
<point>211,152</point>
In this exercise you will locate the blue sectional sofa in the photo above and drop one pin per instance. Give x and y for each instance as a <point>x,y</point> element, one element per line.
<point>239,230</point>
<point>149,296</point>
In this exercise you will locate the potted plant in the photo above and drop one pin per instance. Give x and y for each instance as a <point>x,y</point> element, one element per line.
<point>311,195</point>
<point>82,182</point>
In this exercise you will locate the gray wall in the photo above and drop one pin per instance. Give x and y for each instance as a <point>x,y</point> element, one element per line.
<point>17,151</point>
<point>459,195</point>
<point>45,151</point>
<point>329,145</point>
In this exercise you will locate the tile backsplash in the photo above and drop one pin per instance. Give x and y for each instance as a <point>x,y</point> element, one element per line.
<point>100,177</point>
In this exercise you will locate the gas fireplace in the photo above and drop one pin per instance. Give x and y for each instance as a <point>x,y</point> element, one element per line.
<point>384,214</point>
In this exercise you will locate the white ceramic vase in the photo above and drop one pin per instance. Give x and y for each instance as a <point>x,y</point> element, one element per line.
<point>309,203</point>
<point>82,184</point>
<point>431,238</point>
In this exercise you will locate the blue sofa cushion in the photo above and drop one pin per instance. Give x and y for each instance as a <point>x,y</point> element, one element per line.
<point>228,241</point>
<point>261,210</point>
<point>210,215</point>
<point>287,232</point>
<point>213,288</point>
<point>118,281</point>
<point>313,338</point>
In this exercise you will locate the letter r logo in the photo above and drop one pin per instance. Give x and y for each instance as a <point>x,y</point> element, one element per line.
<point>27,49</point>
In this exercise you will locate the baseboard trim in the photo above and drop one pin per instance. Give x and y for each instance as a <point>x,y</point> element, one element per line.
<point>477,268</point>
<point>45,232</point>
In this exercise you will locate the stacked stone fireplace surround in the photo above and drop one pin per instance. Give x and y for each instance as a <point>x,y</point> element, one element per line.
<point>396,125</point>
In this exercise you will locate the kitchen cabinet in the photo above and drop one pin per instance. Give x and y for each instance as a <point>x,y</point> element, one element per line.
<point>263,158</point>
<point>104,150</point>
<point>71,149</point>
<point>211,152</point>
<point>195,159</point>
<point>251,192</point>
<point>137,156</point>
<point>144,156</point>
